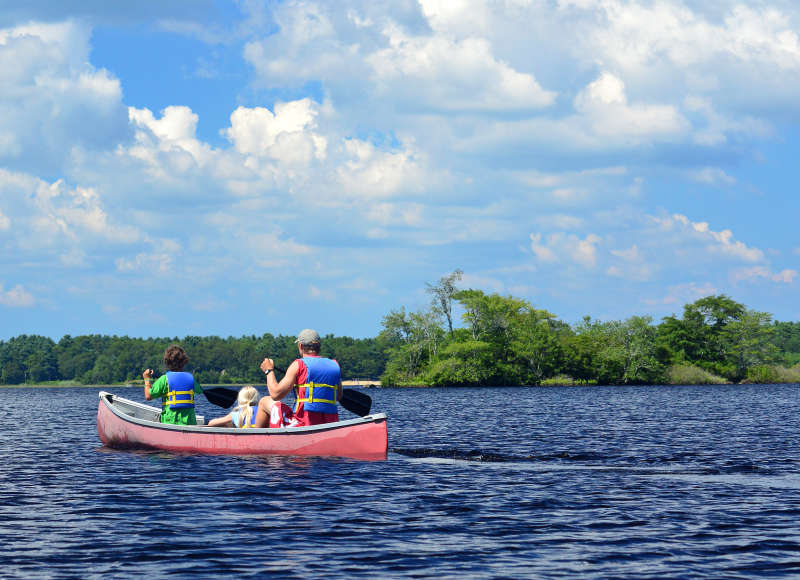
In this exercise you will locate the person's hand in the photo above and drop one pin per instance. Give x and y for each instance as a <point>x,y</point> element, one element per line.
<point>267,365</point>
<point>148,374</point>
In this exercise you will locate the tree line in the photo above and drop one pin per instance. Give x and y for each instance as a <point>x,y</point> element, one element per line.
<point>502,340</point>
<point>507,341</point>
<point>102,360</point>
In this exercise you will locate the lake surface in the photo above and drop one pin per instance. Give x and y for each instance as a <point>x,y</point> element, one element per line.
<point>591,482</point>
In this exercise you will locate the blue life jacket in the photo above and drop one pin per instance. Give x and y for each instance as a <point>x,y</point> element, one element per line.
<point>319,393</point>
<point>180,390</point>
<point>238,412</point>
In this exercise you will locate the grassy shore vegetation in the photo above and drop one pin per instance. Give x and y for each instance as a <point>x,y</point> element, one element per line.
<point>501,340</point>
<point>686,374</point>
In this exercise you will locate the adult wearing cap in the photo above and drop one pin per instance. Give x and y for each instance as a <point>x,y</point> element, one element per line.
<point>319,387</point>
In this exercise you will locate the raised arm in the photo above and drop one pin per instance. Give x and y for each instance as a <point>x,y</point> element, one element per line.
<point>147,375</point>
<point>278,390</point>
<point>226,421</point>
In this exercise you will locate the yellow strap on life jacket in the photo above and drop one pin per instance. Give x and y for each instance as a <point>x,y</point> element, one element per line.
<point>241,410</point>
<point>172,397</point>
<point>309,398</point>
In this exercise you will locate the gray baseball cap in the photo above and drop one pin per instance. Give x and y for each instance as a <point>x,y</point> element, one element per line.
<point>308,336</point>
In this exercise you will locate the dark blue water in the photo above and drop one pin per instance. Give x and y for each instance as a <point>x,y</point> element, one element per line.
<point>596,482</point>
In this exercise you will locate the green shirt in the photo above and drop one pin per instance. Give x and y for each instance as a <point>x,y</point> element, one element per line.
<point>182,416</point>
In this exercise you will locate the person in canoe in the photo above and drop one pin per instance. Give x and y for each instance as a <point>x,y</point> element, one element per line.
<point>176,387</point>
<point>243,414</point>
<point>318,381</point>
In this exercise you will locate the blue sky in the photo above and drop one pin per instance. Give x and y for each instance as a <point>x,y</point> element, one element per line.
<point>239,167</point>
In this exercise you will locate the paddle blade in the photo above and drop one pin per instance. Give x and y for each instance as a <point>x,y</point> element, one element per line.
<point>356,402</point>
<point>221,396</point>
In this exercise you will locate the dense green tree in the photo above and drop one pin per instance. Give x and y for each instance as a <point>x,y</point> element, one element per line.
<point>698,337</point>
<point>494,319</point>
<point>708,317</point>
<point>359,358</point>
<point>104,371</point>
<point>631,344</point>
<point>12,373</point>
<point>490,316</point>
<point>786,339</point>
<point>578,349</point>
<point>748,342</point>
<point>28,358</point>
<point>535,346</point>
<point>76,356</point>
<point>411,339</point>
<point>468,363</point>
<point>595,339</point>
<point>42,365</point>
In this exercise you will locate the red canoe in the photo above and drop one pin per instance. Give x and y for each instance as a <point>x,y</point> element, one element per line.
<point>122,423</point>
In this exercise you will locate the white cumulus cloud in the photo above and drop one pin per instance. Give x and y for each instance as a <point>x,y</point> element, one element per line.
<point>605,106</point>
<point>287,134</point>
<point>174,134</point>
<point>785,276</point>
<point>58,220</point>
<point>51,98</point>
<point>568,247</point>
<point>374,173</point>
<point>440,73</point>
<point>16,297</point>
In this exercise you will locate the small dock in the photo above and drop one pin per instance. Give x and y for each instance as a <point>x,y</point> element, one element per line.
<point>364,383</point>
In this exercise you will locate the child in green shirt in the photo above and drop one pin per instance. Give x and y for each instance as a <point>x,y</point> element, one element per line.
<point>176,387</point>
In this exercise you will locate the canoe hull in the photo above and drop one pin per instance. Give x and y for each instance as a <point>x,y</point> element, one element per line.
<point>127,424</point>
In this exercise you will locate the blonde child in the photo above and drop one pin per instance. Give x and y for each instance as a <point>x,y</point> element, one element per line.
<point>243,414</point>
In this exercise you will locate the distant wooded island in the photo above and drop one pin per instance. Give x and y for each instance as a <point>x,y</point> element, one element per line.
<point>503,340</point>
